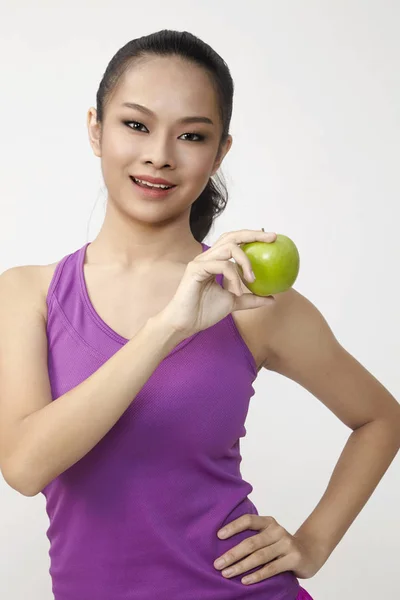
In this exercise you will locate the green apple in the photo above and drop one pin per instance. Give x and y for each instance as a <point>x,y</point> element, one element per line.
<point>275,265</point>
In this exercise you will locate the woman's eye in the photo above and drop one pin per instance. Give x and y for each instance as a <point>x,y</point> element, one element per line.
<point>128,123</point>
<point>200,137</point>
<point>134,122</point>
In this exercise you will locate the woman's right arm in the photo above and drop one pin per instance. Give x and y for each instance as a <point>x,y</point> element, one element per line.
<point>41,438</point>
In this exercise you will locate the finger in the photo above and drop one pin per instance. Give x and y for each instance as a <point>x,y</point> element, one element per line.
<point>227,248</point>
<point>248,301</point>
<point>244,236</point>
<point>280,565</point>
<point>246,547</point>
<point>259,557</point>
<point>204,268</point>
<point>228,251</point>
<point>246,521</point>
<point>251,544</point>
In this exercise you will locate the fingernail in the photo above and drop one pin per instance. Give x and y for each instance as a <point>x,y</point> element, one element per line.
<point>222,533</point>
<point>252,276</point>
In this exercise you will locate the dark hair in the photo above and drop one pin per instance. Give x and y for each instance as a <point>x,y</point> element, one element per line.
<point>213,199</point>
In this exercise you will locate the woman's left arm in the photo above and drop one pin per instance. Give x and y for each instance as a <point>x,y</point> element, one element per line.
<point>302,347</point>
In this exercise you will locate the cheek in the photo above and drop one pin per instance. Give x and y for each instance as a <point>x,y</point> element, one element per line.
<point>198,168</point>
<point>119,151</point>
<point>116,159</point>
<point>117,146</point>
<point>197,176</point>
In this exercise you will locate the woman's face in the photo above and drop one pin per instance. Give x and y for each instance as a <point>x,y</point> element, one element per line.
<point>133,142</point>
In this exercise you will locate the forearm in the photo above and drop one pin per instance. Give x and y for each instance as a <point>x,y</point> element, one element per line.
<point>55,437</point>
<point>364,460</point>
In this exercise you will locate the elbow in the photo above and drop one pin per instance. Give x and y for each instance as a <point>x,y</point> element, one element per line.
<point>28,491</point>
<point>20,482</point>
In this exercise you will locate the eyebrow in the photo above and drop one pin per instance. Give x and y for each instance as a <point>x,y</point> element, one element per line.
<point>184,120</point>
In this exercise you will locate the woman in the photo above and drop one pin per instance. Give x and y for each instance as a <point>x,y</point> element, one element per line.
<point>137,377</point>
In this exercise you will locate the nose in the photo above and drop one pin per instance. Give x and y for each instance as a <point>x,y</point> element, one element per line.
<point>158,152</point>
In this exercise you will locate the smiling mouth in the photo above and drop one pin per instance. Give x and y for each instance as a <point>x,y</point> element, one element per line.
<point>150,185</point>
<point>149,191</point>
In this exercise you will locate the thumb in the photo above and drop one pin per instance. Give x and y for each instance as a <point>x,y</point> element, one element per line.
<point>247,301</point>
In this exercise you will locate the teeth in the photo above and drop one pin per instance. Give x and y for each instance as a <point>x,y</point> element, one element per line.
<point>152,185</point>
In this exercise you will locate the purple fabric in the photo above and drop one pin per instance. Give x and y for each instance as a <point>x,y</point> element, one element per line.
<point>303,595</point>
<point>137,517</point>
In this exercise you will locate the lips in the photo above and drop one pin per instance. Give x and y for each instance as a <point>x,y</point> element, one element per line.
<point>152,192</point>
<point>150,186</point>
<point>154,180</point>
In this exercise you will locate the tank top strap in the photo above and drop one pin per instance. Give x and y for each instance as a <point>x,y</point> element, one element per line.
<point>64,277</point>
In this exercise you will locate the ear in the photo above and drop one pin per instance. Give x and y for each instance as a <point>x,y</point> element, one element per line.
<point>94,131</point>
<point>221,155</point>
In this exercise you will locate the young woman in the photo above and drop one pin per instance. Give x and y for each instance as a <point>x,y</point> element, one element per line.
<point>126,378</point>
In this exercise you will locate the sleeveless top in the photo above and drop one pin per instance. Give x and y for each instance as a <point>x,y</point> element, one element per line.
<point>137,517</point>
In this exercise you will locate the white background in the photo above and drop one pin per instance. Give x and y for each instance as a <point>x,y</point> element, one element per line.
<point>315,156</point>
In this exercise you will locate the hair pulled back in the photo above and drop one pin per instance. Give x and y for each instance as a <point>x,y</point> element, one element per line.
<point>213,199</point>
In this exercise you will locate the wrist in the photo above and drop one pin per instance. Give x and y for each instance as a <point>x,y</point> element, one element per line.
<point>165,330</point>
<point>317,545</point>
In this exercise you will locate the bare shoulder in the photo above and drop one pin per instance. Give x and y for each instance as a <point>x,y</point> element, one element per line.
<point>288,323</point>
<point>21,284</point>
<point>28,284</point>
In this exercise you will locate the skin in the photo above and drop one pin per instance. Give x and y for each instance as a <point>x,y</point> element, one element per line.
<point>140,232</point>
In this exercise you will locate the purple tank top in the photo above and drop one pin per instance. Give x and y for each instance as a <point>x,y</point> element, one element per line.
<point>137,517</point>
